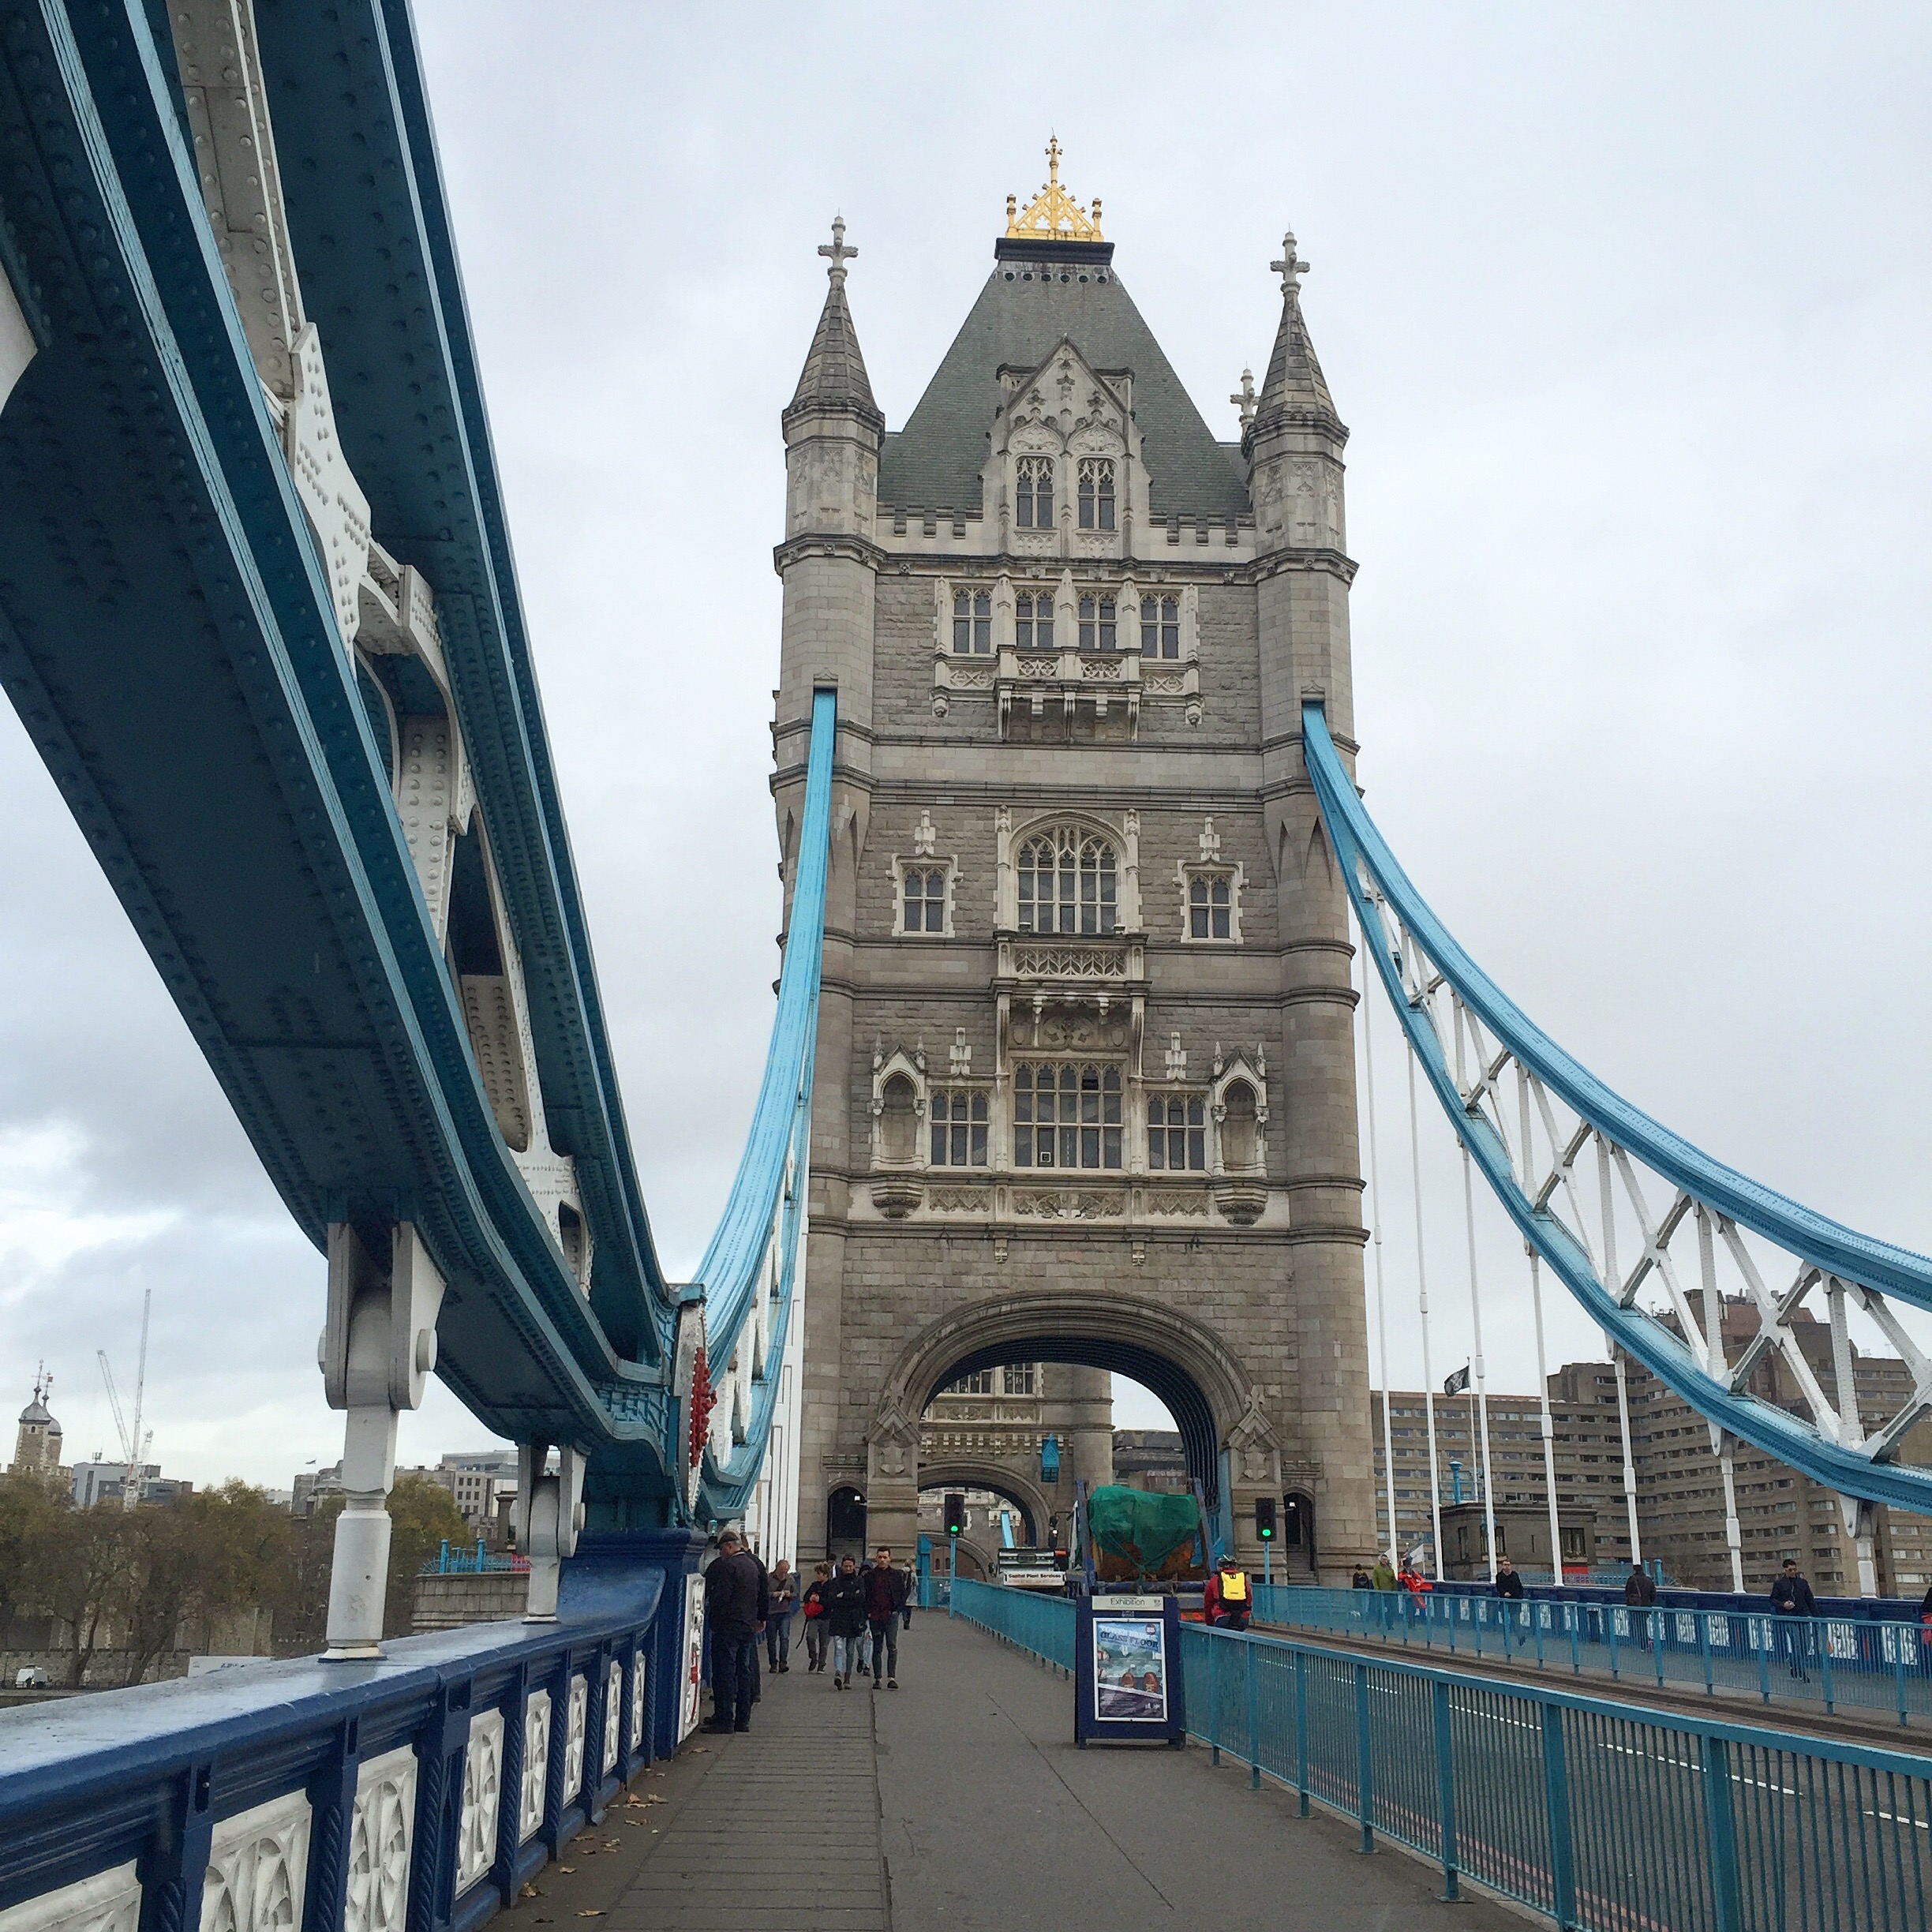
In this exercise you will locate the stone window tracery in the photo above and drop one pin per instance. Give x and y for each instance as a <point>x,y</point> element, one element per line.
<point>1177,1133</point>
<point>1099,628</point>
<point>1033,500</point>
<point>1210,906</point>
<point>922,899</point>
<point>959,1119</point>
<point>1160,627</point>
<point>1033,620</point>
<point>1069,882</point>
<point>1066,1114</point>
<point>1096,493</point>
<point>972,622</point>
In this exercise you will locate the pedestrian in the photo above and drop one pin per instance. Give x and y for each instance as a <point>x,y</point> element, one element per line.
<point>885,1601</point>
<point>1361,1579</point>
<point>1640,1593</point>
<point>1382,1576</point>
<point>1413,1580</point>
<point>845,1612</point>
<point>732,1616</point>
<point>784,1593</point>
<point>1509,1588</point>
<point>764,1611</point>
<point>912,1594</point>
<point>1791,1596</point>
<point>1226,1600</point>
<point>818,1625</point>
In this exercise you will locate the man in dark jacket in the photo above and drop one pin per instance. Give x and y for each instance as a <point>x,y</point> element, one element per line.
<point>1509,1586</point>
<point>886,1595</point>
<point>1791,1596</point>
<point>735,1612</point>
<point>845,1612</point>
<point>1640,1593</point>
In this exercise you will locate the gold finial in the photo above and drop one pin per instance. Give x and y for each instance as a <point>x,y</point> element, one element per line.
<point>1053,214</point>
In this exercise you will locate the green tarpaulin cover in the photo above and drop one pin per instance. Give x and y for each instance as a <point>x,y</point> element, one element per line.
<point>1145,1527</point>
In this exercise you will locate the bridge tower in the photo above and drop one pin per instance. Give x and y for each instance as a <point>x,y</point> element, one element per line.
<point>1085,1088</point>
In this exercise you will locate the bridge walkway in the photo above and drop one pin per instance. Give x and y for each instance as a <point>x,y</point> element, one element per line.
<point>960,1803</point>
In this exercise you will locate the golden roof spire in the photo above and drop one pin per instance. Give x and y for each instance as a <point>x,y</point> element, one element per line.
<point>1053,214</point>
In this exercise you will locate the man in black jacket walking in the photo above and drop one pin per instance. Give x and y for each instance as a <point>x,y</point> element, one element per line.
<point>736,1608</point>
<point>1791,1597</point>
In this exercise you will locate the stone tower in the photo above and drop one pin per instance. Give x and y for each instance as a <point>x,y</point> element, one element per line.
<point>37,1446</point>
<point>1085,1086</point>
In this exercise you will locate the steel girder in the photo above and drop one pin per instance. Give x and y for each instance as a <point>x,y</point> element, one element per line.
<point>1529,1114</point>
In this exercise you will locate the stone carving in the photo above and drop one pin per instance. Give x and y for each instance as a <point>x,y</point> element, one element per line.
<point>377,1898</point>
<point>925,835</point>
<point>1173,1201</point>
<point>1066,1204</point>
<point>960,1200</point>
<point>1039,962</point>
<point>576,1714</point>
<point>258,1869</point>
<point>482,1800</point>
<point>110,1901</point>
<point>536,1765</point>
<point>1210,843</point>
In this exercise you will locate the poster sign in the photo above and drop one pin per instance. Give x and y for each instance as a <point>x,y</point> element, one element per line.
<point>694,1656</point>
<point>1128,1669</point>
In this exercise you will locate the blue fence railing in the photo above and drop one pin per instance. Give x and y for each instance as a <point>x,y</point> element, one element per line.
<point>1044,1625</point>
<point>1835,1663</point>
<point>420,1789</point>
<point>465,1559</point>
<point>1601,1816</point>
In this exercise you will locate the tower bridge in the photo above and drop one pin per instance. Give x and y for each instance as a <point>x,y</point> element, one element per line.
<point>1062,1060</point>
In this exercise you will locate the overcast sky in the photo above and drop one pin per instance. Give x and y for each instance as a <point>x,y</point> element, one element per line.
<point>1626,310</point>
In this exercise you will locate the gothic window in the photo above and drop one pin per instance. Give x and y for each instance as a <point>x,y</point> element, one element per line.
<point>1241,1131</point>
<point>959,1128</point>
<point>1210,906</point>
<point>1098,629</point>
<point>1096,494</point>
<point>899,1120</point>
<point>1066,1115</point>
<point>1020,1379</point>
<point>1160,627</point>
<point>972,621</point>
<point>1033,504</point>
<point>979,1383</point>
<point>1068,883</point>
<point>923,899</point>
<point>1033,620</point>
<point>1177,1133</point>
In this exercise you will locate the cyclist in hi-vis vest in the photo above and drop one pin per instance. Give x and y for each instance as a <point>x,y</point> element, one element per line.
<point>1227,1599</point>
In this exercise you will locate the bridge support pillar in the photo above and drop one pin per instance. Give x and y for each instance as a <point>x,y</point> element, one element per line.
<point>377,1350</point>
<point>549,1513</point>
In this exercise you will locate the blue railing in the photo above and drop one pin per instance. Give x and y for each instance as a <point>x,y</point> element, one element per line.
<point>1601,1816</point>
<point>464,1561</point>
<point>1044,1625</point>
<point>1840,1663</point>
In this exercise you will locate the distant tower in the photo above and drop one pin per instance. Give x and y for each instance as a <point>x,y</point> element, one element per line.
<point>37,1447</point>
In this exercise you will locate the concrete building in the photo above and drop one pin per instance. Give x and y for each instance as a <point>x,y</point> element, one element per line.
<point>1085,1065</point>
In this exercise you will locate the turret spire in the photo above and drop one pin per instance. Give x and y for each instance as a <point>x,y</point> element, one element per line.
<point>834,376</point>
<point>1294,390</point>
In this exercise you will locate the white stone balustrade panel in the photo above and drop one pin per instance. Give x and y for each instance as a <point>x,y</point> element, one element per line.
<point>380,1838</point>
<point>536,1765</point>
<point>636,1700</point>
<point>258,1869</point>
<point>110,1901</point>
<point>482,1800</point>
<point>613,1713</point>
<point>578,1712</point>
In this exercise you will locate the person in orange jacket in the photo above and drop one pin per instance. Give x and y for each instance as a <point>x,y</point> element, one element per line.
<point>1226,1599</point>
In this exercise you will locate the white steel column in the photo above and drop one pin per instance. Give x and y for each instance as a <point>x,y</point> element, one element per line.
<point>1714,1362</point>
<point>1536,1304</point>
<point>1429,1371</point>
<point>1375,1191</point>
<point>1476,1356</point>
<point>1614,1281</point>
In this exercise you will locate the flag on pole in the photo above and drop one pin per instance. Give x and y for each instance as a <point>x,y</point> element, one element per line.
<point>1457,1382</point>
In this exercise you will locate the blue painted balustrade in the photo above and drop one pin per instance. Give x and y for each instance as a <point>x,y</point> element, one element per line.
<point>415,1793</point>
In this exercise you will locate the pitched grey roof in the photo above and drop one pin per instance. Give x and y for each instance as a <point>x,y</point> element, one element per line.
<point>1295,391</point>
<point>934,463</point>
<point>834,375</point>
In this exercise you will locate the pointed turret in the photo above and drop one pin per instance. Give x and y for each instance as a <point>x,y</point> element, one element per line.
<point>834,380</point>
<point>1295,392</point>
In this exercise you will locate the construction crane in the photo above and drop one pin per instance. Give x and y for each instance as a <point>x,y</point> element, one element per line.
<point>133,1442</point>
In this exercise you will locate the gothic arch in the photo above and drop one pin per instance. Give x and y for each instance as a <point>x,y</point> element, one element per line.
<point>1001,1478</point>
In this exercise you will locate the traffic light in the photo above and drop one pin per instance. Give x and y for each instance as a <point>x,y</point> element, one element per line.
<point>955,1514</point>
<point>1264,1518</point>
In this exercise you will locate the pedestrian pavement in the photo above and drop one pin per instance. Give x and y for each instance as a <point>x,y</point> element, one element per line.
<point>960,1803</point>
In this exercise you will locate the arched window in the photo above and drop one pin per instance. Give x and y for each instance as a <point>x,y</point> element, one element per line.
<point>1241,1131</point>
<point>1160,627</point>
<point>972,621</point>
<point>1066,1115</point>
<point>1098,630</point>
<point>1210,905</point>
<point>898,1121</point>
<point>1033,621</point>
<point>1096,494</point>
<point>1069,883</point>
<point>1033,507</point>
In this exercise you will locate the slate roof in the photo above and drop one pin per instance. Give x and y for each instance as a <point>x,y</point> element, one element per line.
<point>1295,391</point>
<point>834,375</point>
<point>934,462</point>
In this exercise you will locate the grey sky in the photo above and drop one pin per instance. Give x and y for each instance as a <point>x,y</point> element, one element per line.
<point>1627,311</point>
